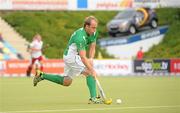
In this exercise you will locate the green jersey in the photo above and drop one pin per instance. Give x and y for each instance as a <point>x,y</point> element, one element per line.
<point>79,41</point>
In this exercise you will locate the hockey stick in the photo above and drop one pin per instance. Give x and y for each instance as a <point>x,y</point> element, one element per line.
<point>102,94</point>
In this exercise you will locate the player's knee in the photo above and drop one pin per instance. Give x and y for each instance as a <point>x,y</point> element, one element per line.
<point>67,81</point>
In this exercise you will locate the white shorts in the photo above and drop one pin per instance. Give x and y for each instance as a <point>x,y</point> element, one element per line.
<point>73,66</point>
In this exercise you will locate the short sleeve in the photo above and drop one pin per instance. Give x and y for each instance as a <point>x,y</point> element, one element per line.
<point>80,43</point>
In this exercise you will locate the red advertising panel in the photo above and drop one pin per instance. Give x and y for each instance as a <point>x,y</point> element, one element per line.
<point>175,66</point>
<point>53,66</point>
<point>19,67</point>
<point>16,66</point>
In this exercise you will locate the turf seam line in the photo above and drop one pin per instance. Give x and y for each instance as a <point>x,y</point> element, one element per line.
<point>93,109</point>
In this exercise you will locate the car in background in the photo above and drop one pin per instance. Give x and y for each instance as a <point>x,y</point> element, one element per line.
<point>131,20</point>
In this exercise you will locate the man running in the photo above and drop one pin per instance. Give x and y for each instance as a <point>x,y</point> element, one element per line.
<point>35,49</point>
<point>78,58</point>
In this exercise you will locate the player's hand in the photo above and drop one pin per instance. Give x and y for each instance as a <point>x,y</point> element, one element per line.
<point>94,74</point>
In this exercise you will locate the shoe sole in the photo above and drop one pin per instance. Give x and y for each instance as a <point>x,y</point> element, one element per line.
<point>34,81</point>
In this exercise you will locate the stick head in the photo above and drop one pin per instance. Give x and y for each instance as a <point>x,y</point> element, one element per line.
<point>108,101</point>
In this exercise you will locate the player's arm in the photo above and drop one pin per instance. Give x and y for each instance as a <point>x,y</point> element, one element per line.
<point>81,47</point>
<point>92,47</point>
<point>85,60</point>
<point>92,50</point>
<point>44,47</point>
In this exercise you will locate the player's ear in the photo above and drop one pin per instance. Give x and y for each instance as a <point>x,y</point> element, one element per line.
<point>86,26</point>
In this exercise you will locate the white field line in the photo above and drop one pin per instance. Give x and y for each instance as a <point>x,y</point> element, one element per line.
<point>92,109</point>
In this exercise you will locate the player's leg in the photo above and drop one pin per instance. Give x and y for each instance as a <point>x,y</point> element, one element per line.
<point>59,79</point>
<point>41,64</point>
<point>64,80</point>
<point>37,64</point>
<point>28,72</point>
<point>91,83</point>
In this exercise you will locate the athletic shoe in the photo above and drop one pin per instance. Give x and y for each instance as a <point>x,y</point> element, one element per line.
<point>37,77</point>
<point>95,101</point>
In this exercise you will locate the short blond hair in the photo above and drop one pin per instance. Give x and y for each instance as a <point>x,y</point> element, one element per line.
<point>88,20</point>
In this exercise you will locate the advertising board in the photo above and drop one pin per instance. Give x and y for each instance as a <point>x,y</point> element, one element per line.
<point>152,66</point>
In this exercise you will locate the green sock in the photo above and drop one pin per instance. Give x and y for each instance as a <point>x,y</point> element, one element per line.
<point>53,78</point>
<point>91,83</point>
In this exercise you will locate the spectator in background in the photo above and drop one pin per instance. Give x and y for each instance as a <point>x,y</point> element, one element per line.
<point>140,54</point>
<point>35,49</point>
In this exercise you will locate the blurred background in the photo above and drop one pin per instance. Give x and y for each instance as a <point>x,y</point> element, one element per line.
<point>56,20</point>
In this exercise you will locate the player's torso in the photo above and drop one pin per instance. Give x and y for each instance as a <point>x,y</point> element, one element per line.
<point>83,38</point>
<point>36,45</point>
<point>79,38</point>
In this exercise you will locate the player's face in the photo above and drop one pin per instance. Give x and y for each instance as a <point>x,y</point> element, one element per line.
<point>38,38</point>
<point>92,27</point>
